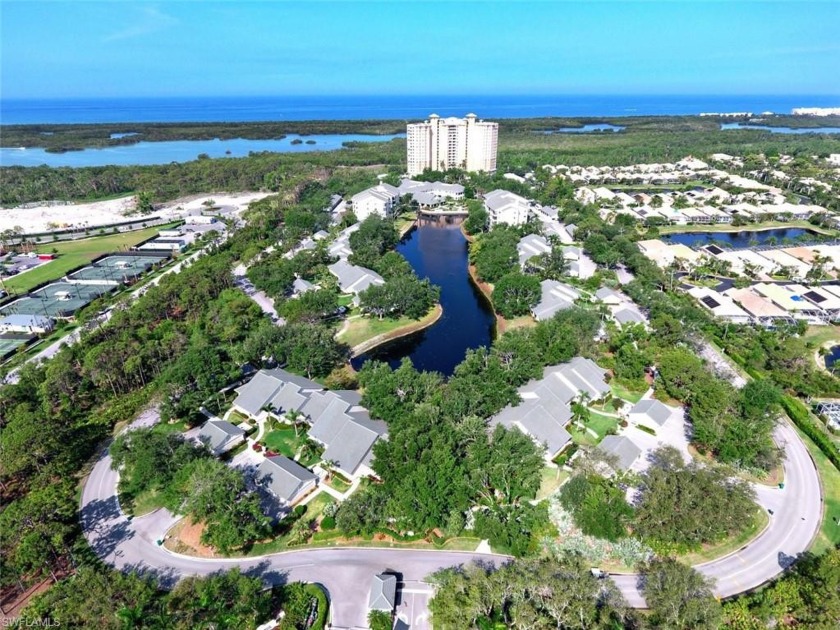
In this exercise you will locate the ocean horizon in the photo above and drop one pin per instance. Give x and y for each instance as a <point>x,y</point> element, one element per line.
<point>298,108</point>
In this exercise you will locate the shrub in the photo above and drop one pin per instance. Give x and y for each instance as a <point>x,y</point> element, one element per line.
<point>328,523</point>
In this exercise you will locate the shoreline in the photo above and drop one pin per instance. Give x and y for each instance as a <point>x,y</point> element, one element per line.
<point>429,320</point>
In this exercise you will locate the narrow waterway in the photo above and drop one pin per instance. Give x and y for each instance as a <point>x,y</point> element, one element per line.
<point>742,239</point>
<point>437,250</point>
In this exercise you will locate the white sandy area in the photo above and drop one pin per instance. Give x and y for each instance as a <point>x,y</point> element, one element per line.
<point>81,215</point>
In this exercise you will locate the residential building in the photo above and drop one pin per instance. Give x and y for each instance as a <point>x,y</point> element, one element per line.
<point>545,408</point>
<point>336,419</point>
<point>352,278</point>
<point>555,296</point>
<point>379,200</point>
<point>284,478</point>
<point>506,207</point>
<point>530,246</point>
<point>620,448</point>
<point>720,305</point>
<point>383,592</point>
<point>219,436</point>
<point>649,411</point>
<point>443,143</point>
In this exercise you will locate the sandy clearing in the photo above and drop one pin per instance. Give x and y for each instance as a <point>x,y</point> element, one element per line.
<point>45,218</point>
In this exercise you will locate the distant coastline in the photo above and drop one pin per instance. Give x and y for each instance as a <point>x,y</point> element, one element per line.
<point>298,108</point>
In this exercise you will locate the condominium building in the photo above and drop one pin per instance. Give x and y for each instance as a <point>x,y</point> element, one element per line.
<point>443,143</point>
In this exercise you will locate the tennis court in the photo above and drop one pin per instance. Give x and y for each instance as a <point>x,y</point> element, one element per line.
<point>59,299</point>
<point>117,269</point>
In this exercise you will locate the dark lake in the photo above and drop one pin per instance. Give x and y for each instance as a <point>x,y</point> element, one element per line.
<point>741,240</point>
<point>437,250</point>
<point>832,357</point>
<point>787,130</point>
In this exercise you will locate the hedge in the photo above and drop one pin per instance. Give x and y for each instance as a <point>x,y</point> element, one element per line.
<point>798,412</point>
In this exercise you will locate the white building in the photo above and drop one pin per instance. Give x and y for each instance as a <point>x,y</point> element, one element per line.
<point>378,200</point>
<point>506,207</point>
<point>443,143</point>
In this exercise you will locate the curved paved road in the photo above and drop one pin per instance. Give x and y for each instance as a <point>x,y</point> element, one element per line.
<point>346,572</point>
<point>796,519</point>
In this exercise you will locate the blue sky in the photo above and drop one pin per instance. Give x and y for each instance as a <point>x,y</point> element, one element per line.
<point>125,48</point>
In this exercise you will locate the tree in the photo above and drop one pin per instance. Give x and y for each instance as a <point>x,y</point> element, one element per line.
<point>477,217</point>
<point>597,505</point>
<point>532,593</point>
<point>683,506</point>
<point>679,597</point>
<point>515,294</point>
<point>380,620</point>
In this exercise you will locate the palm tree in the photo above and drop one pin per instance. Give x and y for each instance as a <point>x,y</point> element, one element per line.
<point>294,416</point>
<point>329,465</point>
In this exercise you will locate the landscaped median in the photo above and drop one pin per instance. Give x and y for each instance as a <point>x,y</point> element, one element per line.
<point>363,334</point>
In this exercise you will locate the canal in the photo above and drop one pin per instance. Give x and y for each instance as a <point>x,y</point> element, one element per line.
<point>437,250</point>
<point>742,239</point>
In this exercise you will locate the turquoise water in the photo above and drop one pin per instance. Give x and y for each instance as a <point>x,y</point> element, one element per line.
<point>278,108</point>
<point>178,150</point>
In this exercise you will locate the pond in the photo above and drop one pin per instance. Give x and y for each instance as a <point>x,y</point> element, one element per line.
<point>832,358</point>
<point>437,250</point>
<point>787,130</point>
<point>146,153</point>
<point>742,239</point>
<point>585,129</point>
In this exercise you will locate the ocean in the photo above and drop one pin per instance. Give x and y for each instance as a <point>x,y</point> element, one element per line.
<point>263,108</point>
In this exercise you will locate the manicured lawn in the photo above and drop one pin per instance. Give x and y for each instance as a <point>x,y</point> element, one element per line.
<point>284,441</point>
<point>601,424</point>
<point>236,418</point>
<point>550,481</point>
<point>170,427</point>
<point>72,254</point>
<point>829,534</point>
<point>757,524</point>
<point>581,436</point>
<point>337,482</point>
<point>622,392</point>
<point>363,329</point>
<point>144,503</point>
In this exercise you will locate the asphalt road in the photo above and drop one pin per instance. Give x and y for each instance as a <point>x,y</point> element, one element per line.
<point>346,572</point>
<point>796,519</point>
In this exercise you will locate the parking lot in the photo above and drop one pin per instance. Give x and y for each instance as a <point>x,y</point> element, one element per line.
<point>412,610</point>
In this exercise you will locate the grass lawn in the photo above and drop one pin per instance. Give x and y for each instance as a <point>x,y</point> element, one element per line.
<point>818,335</point>
<point>829,534</point>
<point>345,300</point>
<point>144,503</point>
<point>581,436</point>
<point>72,254</point>
<point>284,441</point>
<point>550,481</point>
<point>236,418</point>
<point>622,392</point>
<point>363,329</point>
<point>338,483</point>
<point>170,427</point>
<point>710,552</point>
<point>600,423</point>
